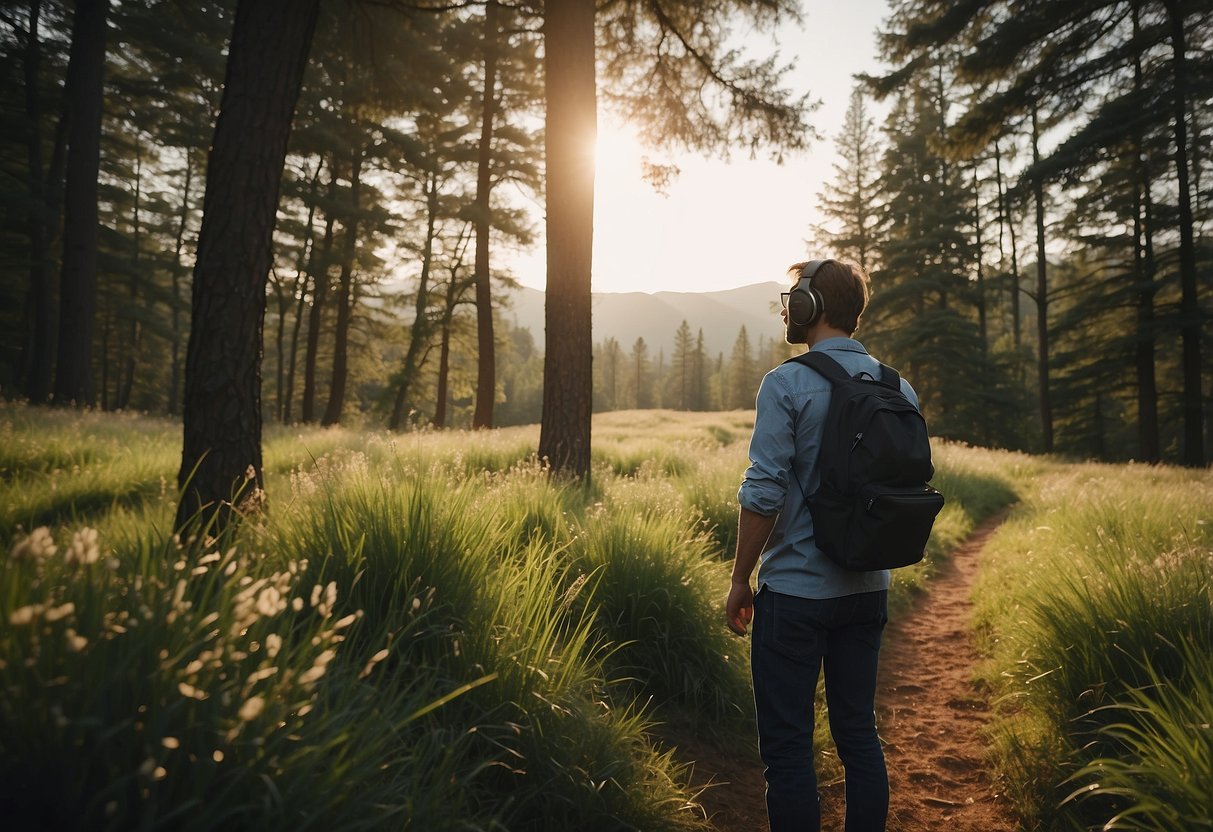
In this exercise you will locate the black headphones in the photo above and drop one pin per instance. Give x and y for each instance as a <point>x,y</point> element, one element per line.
<point>805,304</point>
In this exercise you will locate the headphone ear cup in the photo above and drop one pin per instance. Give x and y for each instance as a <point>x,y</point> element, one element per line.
<point>804,306</point>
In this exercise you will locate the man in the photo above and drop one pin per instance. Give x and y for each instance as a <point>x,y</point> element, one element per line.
<point>809,613</point>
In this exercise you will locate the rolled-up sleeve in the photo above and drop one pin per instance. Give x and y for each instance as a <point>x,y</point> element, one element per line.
<point>772,448</point>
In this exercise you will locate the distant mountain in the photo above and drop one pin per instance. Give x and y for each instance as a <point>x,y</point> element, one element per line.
<point>656,317</point>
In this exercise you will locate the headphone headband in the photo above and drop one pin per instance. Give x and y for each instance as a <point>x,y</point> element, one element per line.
<point>811,267</point>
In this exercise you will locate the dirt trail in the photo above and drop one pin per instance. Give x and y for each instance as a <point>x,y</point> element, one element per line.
<point>931,717</point>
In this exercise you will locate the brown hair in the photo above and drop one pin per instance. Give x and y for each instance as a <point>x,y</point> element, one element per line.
<point>844,291</point>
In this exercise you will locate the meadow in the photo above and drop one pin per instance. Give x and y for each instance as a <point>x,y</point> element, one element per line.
<point>1095,608</point>
<point>425,631</point>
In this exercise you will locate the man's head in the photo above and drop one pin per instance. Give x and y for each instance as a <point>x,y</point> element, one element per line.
<point>842,291</point>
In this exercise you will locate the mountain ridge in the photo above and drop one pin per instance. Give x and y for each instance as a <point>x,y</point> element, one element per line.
<point>626,316</point>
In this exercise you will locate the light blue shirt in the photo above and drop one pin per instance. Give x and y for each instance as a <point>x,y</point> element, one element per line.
<point>789,418</point>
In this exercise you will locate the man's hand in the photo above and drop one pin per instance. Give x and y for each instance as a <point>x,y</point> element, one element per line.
<point>739,609</point>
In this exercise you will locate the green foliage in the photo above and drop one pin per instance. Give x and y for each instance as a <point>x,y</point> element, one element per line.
<point>1096,610</point>
<point>422,629</point>
<point>657,599</point>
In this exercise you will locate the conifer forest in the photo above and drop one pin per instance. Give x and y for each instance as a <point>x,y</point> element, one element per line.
<point>239,213</point>
<point>308,526</point>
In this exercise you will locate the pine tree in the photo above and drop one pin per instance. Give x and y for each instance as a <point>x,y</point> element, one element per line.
<point>742,387</point>
<point>682,368</point>
<point>851,200</point>
<point>921,318</point>
<point>641,376</point>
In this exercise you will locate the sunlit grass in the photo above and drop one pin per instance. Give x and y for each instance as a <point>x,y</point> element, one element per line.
<point>469,642</point>
<point>1096,606</point>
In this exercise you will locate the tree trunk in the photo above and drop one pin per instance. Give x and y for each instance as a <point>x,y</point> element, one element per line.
<point>444,353</point>
<point>78,281</point>
<point>283,302</point>
<point>135,337</point>
<point>320,279</point>
<point>266,60</point>
<point>982,326</point>
<point>564,440</point>
<point>332,413</point>
<point>1143,268</point>
<point>421,330</point>
<point>106,322</point>
<point>486,373</point>
<point>1042,298</point>
<point>40,344</point>
<point>179,246</point>
<point>301,276</point>
<point>1189,308</point>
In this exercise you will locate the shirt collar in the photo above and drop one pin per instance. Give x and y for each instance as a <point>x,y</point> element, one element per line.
<point>840,343</point>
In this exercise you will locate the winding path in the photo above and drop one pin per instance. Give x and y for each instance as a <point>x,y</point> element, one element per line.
<point>931,719</point>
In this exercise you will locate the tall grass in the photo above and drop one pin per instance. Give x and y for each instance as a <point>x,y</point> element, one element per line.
<point>1097,609</point>
<point>423,631</point>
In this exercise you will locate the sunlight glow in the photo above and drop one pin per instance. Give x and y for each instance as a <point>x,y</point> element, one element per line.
<point>723,223</point>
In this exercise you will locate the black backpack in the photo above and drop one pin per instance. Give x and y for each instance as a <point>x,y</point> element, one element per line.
<point>873,509</point>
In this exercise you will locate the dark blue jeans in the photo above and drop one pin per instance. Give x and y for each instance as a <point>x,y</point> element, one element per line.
<point>794,638</point>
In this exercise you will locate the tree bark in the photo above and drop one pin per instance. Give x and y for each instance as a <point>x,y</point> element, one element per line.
<point>982,326</point>
<point>40,344</point>
<point>178,267</point>
<point>306,258</point>
<point>78,280</point>
<point>283,302</point>
<point>421,330</point>
<point>320,280</point>
<point>1004,210</point>
<point>486,372</point>
<point>1042,298</point>
<point>1189,308</point>
<point>222,432</point>
<point>135,337</point>
<point>564,440</point>
<point>332,413</point>
<point>444,353</point>
<point>1143,267</point>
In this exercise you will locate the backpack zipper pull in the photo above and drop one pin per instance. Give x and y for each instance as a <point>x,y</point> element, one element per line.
<point>855,444</point>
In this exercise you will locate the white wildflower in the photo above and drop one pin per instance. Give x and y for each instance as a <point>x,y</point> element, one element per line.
<point>60,612</point>
<point>316,671</point>
<point>370,665</point>
<point>264,673</point>
<point>38,545</point>
<point>75,642</point>
<point>24,615</point>
<point>191,692</point>
<point>83,548</point>
<point>251,708</point>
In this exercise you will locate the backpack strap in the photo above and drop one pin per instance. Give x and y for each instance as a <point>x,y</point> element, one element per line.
<point>822,363</point>
<point>890,377</point>
<point>835,373</point>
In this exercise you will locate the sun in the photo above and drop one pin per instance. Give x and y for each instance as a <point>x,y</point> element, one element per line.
<point>617,153</point>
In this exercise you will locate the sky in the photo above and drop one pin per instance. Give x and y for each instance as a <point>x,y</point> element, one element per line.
<point>726,224</point>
